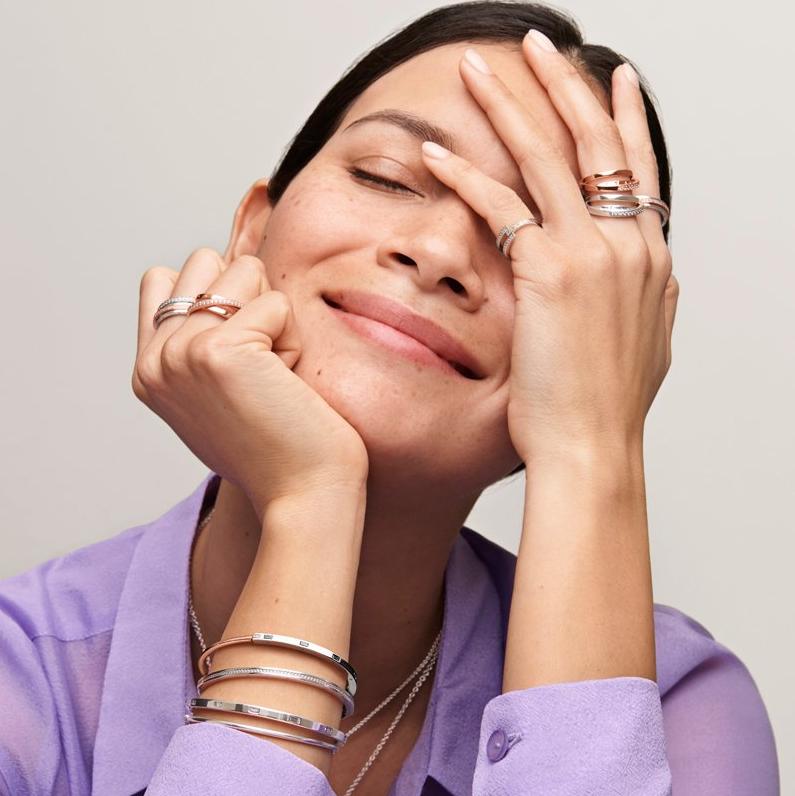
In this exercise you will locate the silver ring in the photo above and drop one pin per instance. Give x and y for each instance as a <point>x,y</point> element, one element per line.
<point>508,233</point>
<point>617,205</point>
<point>175,300</point>
<point>166,309</point>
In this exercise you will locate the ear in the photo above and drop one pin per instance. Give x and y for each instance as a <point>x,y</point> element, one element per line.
<point>251,217</point>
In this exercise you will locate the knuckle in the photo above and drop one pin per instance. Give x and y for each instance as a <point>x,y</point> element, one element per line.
<point>154,273</point>
<point>562,77</point>
<point>605,133</point>
<point>281,301</point>
<point>204,252</point>
<point>466,168</point>
<point>172,358</point>
<point>146,376</point>
<point>564,74</point>
<point>601,257</point>
<point>206,351</point>
<point>137,386</point>
<point>501,198</point>
<point>543,152</point>
<point>250,264</point>
<point>637,254</point>
<point>563,282</point>
<point>644,153</point>
<point>665,264</point>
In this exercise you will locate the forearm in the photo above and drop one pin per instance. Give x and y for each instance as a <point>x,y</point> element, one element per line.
<point>582,605</point>
<point>301,584</point>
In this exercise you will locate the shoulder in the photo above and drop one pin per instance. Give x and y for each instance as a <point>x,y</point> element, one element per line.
<point>73,596</point>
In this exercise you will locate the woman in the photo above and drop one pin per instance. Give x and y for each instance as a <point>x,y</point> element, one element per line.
<point>407,654</point>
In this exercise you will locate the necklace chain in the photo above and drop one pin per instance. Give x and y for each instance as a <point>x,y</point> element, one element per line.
<point>421,673</point>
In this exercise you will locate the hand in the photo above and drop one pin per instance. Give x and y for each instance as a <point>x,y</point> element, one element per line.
<point>595,297</point>
<point>227,388</point>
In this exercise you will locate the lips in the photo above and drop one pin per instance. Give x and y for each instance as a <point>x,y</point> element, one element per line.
<point>405,320</point>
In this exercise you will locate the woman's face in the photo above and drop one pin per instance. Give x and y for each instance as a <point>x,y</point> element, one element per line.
<point>335,230</point>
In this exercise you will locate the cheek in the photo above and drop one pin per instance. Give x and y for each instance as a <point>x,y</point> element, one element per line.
<point>318,219</point>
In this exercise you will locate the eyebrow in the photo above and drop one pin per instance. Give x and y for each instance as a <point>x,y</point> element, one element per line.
<point>417,126</point>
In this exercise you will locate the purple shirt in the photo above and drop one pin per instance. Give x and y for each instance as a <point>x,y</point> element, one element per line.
<point>96,674</point>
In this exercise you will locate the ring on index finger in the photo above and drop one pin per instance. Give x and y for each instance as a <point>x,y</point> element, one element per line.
<point>508,233</point>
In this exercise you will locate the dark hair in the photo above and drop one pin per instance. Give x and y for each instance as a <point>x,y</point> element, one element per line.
<point>502,22</point>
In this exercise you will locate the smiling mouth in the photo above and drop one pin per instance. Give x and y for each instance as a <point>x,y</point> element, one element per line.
<point>466,372</point>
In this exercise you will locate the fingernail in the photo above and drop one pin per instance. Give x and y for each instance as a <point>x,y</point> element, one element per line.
<point>474,58</point>
<point>541,40</point>
<point>630,74</point>
<point>433,150</point>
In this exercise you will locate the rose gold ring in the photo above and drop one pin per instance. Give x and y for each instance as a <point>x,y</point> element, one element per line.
<point>220,305</point>
<point>619,180</point>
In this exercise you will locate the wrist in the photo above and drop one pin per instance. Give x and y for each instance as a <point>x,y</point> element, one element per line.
<point>321,486</point>
<point>612,466</point>
<point>326,520</point>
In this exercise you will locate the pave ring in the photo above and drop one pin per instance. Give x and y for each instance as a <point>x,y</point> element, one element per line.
<point>508,233</point>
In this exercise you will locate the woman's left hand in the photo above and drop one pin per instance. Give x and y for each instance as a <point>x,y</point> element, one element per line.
<point>595,296</point>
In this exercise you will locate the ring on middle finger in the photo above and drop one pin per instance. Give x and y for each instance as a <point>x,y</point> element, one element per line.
<point>617,180</point>
<point>212,302</point>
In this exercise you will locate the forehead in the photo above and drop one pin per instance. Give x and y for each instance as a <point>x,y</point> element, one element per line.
<point>430,86</point>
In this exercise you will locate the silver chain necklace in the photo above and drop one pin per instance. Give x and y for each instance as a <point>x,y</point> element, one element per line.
<point>421,673</point>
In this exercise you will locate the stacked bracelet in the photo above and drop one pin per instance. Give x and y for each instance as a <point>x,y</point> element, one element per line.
<point>278,640</point>
<point>345,695</point>
<point>283,674</point>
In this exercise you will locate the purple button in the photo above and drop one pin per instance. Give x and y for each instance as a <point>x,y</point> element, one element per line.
<point>497,746</point>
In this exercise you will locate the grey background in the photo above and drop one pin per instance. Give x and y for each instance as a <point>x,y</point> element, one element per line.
<point>131,131</point>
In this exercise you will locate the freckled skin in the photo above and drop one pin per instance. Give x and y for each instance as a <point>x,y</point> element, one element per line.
<point>424,247</point>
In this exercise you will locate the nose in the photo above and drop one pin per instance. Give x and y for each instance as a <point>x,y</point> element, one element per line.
<point>440,248</point>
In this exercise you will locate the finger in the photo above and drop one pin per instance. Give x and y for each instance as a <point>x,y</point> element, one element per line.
<point>595,133</point>
<point>157,284</point>
<point>266,321</point>
<point>243,280</point>
<point>671,300</point>
<point>493,201</point>
<point>544,168</point>
<point>200,269</point>
<point>629,113</point>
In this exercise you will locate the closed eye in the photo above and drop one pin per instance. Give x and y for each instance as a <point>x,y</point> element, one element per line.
<point>366,176</point>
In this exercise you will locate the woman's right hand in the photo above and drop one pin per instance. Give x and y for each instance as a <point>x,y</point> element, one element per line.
<point>227,388</point>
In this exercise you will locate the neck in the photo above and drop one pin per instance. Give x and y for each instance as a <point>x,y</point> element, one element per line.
<point>399,599</point>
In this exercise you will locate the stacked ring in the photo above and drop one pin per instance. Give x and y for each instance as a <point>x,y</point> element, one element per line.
<point>167,308</point>
<point>220,305</point>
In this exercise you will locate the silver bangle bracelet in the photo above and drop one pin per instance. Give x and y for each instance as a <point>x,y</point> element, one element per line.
<point>278,640</point>
<point>332,747</point>
<point>268,713</point>
<point>283,674</point>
